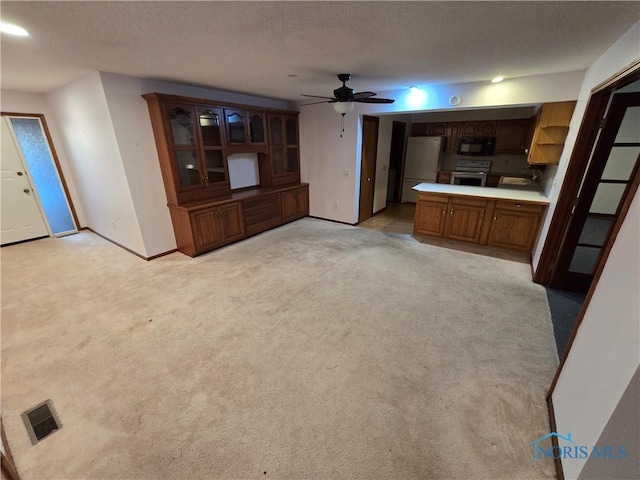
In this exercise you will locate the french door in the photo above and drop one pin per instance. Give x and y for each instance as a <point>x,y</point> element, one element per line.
<point>611,175</point>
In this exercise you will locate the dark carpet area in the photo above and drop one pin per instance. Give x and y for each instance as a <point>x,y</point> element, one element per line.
<point>565,308</point>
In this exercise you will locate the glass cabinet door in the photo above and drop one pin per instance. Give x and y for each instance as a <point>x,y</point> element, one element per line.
<point>277,160</point>
<point>235,126</point>
<point>188,168</point>
<point>275,130</point>
<point>181,120</point>
<point>214,162</point>
<point>256,128</point>
<point>209,120</point>
<point>292,131</point>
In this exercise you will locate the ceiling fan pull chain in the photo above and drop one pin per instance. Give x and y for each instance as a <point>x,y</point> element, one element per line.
<point>342,123</point>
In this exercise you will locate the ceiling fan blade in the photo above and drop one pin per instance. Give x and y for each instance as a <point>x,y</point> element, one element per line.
<point>375,100</point>
<point>360,95</point>
<point>316,103</point>
<point>317,96</point>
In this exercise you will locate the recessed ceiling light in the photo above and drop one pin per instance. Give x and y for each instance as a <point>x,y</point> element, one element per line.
<point>13,29</point>
<point>413,88</point>
<point>497,79</point>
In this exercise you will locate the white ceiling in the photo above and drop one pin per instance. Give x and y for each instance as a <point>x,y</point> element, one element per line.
<point>252,47</point>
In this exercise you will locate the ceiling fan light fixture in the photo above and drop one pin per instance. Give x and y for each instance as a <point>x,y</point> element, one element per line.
<point>343,107</point>
<point>497,79</point>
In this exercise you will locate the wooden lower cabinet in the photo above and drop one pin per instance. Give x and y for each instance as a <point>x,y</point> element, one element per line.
<point>515,225</point>
<point>500,223</point>
<point>431,214</point>
<point>465,218</point>
<point>202,227</point>
<point>295,203</point>
<point>217,226</point>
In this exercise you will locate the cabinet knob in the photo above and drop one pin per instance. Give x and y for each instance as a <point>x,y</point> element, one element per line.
<point>20,174</point>
<point>26,190</point>
<point>518,205</point>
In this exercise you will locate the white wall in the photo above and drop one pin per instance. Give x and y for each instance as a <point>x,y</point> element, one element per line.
<point>36,103</point>
<point>605,353</point>
<point>621,54</point>
<point>81,112</point>
<point>134,136</point>
<point>324,155</point>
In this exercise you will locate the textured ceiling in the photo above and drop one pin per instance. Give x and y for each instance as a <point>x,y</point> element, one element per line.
<point>252,47</point>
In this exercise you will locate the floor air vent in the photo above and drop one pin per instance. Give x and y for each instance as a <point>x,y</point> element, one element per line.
<point>41,421</point>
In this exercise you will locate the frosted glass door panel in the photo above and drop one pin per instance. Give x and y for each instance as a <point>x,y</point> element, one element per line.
<point>620,163</point>
<point>629,131</point>
<point>44,174</point>
<point>607,198</point>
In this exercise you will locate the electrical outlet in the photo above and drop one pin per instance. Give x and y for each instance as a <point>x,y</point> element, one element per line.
<point>346,173</point>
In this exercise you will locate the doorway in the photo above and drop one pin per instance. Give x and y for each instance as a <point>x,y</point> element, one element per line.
<point>35,200</point>
<point>608,181</point>
<point>396,155</point>
<point>368,166</point>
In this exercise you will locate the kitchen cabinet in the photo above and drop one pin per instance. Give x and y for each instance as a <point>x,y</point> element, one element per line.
<point>551,128</point>
<point>283,148</point>
<point>511,136</point>
<point>465,218</point>
<point>444,177</point>
<point>431,214</point>
<point>493,180</point>
<point>295,203</point>
<point>453,135</point>
<point>478,129</point>
<point>429,129</point>
<point>245,127</point>
<point>507,224</point>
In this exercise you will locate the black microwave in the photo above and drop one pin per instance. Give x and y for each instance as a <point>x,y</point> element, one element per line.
<point>476,145</point>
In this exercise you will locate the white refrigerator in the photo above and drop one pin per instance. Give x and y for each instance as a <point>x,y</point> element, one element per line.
<point>421,165</point>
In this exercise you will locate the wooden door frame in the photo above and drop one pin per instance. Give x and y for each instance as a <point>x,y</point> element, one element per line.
<point>591,120</point>
<point>54,155</point>
<point>376,120</point>
<point>8,464</point>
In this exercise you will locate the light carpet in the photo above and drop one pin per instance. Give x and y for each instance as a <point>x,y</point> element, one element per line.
<point>315,350</point>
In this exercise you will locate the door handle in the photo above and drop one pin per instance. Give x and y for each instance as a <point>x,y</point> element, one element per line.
<point>368,179</point>
<point>26,190</point>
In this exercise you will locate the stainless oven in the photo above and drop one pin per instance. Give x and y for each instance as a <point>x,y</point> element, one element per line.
<point>473,179</point>
<point>472,173</point>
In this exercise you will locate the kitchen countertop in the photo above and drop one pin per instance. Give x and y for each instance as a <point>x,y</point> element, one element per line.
<point>486,192</point>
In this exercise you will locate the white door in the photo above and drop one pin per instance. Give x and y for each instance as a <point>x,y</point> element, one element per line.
<point>22,218</point>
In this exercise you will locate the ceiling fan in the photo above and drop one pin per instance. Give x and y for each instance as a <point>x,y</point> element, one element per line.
<point>344,97</point>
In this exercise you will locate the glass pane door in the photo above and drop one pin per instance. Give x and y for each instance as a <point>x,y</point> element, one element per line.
<point>216,172</point>
<point>188,168</point>
<point>256,128</point>
<point>181,121</point>
<point>277,161</point>
<point>292,131</point>
<point>235,127</point>
<point>275,130</point>
<point>37,155</point>
<point>209,120</point>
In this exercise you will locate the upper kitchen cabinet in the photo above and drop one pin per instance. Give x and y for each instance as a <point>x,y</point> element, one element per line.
<point>190,146</point>
<point>551,128</point>
<point>284,150</point>
<point>511,136</point>
<point>478,129</point>
<point>245,128</point>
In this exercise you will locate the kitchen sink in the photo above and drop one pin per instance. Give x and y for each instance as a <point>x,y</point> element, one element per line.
<point>515,181</point>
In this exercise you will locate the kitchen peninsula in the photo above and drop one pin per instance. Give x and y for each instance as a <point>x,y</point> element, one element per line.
<point>504,218</point>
